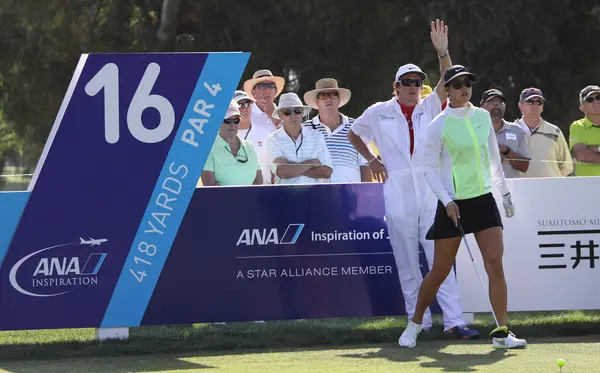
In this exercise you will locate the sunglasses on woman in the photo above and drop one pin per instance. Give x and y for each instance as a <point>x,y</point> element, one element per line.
<point>288,112</point>
<point>458,84</point>
<point>245,104</point>
<point>229,121</point>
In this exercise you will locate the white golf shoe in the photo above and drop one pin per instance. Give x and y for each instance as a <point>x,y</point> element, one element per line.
<point>502,338</point>
<point>409,336</point>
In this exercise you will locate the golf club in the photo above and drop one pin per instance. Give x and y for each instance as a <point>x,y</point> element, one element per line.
<point>464,238</point>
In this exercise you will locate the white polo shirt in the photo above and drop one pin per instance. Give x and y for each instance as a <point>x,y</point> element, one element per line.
<point>346,159</point>
<point>385,123</point>
<point>309,145</point>
<point>261,127</point>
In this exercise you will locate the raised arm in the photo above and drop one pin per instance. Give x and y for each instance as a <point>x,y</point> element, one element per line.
<point>439,39</point>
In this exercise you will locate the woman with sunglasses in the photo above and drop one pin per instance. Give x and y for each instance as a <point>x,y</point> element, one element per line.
<point>232,160</point>
<point>461,159</point>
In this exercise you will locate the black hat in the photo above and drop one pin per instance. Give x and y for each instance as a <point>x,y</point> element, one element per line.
<point>531,92</point>
<point>455,71</point>
<point>491,93</point>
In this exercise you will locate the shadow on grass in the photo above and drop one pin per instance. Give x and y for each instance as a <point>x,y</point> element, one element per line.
<point>432,350</point>
<point>145,363</point>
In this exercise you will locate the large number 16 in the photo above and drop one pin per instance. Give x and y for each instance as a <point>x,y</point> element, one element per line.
<point>108,79</point>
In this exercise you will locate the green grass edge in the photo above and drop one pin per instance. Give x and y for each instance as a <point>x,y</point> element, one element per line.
<point>272,336</point>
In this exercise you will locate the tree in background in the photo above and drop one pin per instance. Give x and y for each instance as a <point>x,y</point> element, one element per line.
<point>509,45</point>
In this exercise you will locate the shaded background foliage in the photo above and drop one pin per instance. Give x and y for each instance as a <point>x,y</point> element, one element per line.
<point>509,45</point>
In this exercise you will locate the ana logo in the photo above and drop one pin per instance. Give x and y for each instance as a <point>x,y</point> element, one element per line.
<point>267,236</point>
<point>58,270</point>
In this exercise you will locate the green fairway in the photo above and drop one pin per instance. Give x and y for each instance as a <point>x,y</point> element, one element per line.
<point>581,355</point>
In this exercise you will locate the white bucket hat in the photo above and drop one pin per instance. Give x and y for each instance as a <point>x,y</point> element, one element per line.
<point>234,109</point>
<point>263,76</point>
<point>326,84</point>
<point>287,101</point>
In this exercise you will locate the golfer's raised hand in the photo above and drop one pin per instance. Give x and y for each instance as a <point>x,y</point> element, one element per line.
<point>439,36</point>
<point>453,213</point>
<point>379,171</point>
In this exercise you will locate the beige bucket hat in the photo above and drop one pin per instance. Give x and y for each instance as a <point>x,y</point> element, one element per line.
<point>326,84</point>
<point>263,76</point>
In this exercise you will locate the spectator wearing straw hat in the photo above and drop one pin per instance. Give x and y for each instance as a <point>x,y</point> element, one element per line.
<point>348,165</point>
<point>550,156</point>
<point>262,89</point>
<point>585,133</point>
<point>297,154</point>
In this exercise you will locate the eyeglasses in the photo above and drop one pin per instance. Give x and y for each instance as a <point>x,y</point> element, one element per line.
<point>229,121</point>
<point>288,112</point>
<point>592,98</point>
<point>245,104</point>
<point>411,82</point>
<point>458,84</point>
<point>265,85</point>
<point>535,102</point>
<point>240,158</point>
<point>324,95</point>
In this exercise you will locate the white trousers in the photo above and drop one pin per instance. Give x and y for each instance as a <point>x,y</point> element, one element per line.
<point>408,222</point>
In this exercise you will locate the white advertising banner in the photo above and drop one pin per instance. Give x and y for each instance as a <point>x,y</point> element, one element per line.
<point>551,248</point>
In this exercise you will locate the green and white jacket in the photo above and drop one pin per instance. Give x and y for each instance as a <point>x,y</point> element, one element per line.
<point>462,155</point>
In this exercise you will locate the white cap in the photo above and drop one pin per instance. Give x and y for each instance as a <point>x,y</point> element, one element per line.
<point>234,109</point>
<point>241,95</point>
<point>410,68</point>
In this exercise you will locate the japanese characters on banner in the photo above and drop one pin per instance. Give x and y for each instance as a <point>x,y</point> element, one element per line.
<point>551,254</point>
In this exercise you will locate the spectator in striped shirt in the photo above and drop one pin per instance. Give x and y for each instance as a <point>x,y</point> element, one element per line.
<point>348,165</point>
<point>297,155</point>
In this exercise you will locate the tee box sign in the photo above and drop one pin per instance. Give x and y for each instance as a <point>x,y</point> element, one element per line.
<point>90,237</point>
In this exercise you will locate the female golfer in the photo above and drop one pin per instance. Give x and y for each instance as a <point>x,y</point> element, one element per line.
<point>461,158</point>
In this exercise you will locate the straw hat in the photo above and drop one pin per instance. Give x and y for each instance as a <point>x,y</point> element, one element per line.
<point>290,100</point>
<point>326,84</point>
<point>263,76</point>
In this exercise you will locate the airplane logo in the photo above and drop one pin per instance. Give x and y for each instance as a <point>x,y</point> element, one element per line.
<point>92,241</point>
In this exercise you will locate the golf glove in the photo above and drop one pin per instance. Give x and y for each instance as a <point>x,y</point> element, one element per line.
<point>509,208</point>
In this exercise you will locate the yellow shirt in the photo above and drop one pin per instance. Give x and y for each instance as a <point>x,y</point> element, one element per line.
<point>584,131</point>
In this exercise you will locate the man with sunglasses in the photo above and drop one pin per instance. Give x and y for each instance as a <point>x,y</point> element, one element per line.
<point>585,133</point>
<point>348,165</point>
<point>397,127</point>
<point>262,89</point>
<point>550,156</point>
<point>297,154</point>
<point>511,139</point>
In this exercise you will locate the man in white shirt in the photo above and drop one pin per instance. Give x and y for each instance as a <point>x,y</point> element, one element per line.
<point>550,154</point>
<point>297,155</point>
<point>262,89</point>
<point>348,165</point>
<point>397,127</point>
